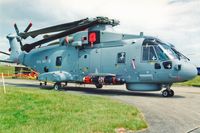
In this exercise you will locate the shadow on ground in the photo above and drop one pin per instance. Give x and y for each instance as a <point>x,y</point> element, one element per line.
<point>105,92</point>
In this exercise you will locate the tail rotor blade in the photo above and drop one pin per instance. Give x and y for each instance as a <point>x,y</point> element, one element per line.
<point>20,42</point>
<point>28,27</point>
<point>16,29</point>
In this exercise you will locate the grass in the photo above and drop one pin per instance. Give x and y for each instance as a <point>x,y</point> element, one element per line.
<point>195,82</point>
<point>7,69</point>
<point>35,110</point>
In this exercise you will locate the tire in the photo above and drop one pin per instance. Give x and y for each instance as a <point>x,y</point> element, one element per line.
<point>99,86</point>
<point>171,93</point>
<point>57,86</point>
<point>165,93</point>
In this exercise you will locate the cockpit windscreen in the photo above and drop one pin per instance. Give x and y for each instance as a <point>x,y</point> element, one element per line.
<point>162,51</point>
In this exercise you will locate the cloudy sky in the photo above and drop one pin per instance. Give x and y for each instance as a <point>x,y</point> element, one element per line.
<point>175,21</point>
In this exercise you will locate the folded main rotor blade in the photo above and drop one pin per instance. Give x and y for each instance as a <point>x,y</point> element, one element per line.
<point>56,28</point>
<point>4,53</point>
<point>29,47</point>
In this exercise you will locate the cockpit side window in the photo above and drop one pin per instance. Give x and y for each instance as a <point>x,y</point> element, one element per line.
<point>149,53</point>
<point>152,54</point>
<point>161,54</point>
<point>145,53</point>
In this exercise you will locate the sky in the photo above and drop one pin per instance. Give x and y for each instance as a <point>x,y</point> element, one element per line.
<point>174,21</point>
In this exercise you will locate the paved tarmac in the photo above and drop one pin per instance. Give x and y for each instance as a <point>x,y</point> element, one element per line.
<point>178,114</point>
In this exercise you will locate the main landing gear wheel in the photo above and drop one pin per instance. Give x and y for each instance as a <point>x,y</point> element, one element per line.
<point>168,93</point>
<point>99,86</point>
<point>57,86</point>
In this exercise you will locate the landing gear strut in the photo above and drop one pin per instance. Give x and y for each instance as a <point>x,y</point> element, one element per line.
<point>41,84</point>
<point>65,84</point>
<point>168,92</point>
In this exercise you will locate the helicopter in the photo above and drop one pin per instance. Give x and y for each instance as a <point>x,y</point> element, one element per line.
<point>89,51</point>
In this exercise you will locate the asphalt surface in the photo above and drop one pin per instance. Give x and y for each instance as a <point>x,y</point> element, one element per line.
<point>178,114</point>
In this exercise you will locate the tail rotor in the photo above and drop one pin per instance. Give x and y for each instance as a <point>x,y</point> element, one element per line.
<point>19,39</point>
<point>15,41</point>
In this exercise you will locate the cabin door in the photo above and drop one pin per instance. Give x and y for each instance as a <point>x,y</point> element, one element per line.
<point>84,62</point>
<point>95,60</point>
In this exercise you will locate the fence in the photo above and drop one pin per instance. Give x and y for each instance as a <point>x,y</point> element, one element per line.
<point>31,75</point>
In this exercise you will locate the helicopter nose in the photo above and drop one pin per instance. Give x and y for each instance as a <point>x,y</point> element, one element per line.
<point>187,72</point>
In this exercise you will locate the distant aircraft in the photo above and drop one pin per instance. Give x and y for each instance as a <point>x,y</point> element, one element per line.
<point>198,69</point>
<point>90,52</point>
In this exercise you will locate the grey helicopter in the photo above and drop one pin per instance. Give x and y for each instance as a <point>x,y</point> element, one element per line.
<point>89,51</point>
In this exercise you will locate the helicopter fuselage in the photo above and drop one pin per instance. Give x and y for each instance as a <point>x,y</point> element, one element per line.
<point>118,54</point>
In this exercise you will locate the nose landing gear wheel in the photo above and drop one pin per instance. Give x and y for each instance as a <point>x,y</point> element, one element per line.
<point>165,93</point>
<point>168,93</point>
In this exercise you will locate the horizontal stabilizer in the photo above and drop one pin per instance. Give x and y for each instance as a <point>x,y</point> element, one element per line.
<point>4,53</point>
<point>7,61</point>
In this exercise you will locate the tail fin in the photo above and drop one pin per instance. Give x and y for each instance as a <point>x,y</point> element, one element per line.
<point>14,47</point>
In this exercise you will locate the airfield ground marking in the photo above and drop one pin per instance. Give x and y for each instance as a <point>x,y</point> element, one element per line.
<point>4,87</point>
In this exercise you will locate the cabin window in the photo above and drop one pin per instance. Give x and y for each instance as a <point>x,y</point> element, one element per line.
<point>46,69</point>
<point>59,61</point>
<point>149,54</point>
<point>121,57</point>
<point>167,65</point>
<point>157,66</point>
